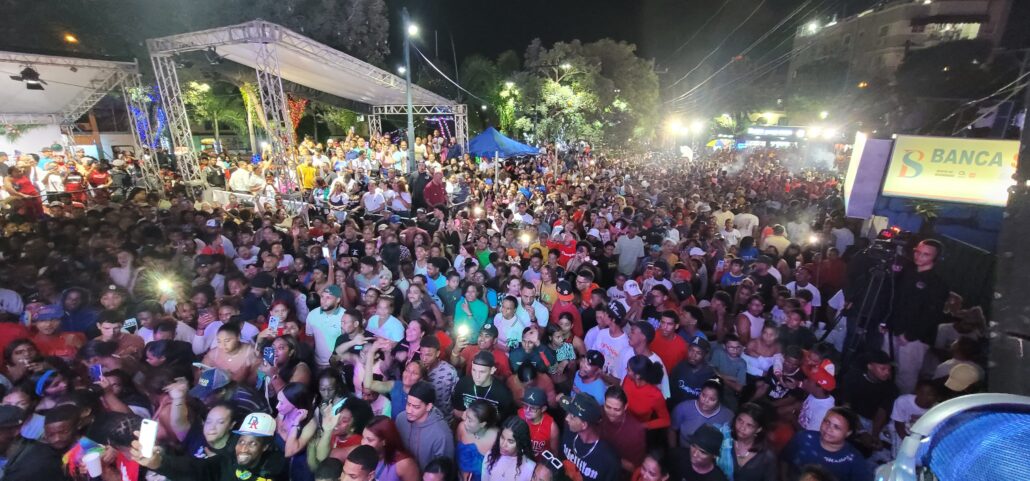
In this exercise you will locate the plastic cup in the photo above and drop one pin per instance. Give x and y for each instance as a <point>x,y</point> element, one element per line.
<point>92,462</point>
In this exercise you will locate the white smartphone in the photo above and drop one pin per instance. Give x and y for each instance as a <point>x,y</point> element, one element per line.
<point>325,252</point>
<point>147,437</point>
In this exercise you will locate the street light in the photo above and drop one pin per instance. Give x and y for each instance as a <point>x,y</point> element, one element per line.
<point>401,70</point>
<point>482,107</point>
<point>71,38</point>
<point>566,66</point>
<point>509,84</point>
<point>411,31</point>
<point>824,114</point>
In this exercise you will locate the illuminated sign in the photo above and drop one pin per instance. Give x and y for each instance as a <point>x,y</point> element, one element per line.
<point>776,132</point>
<point>972,171</point>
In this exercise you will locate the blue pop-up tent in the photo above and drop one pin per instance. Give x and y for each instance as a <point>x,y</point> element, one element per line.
<point>492,143</point>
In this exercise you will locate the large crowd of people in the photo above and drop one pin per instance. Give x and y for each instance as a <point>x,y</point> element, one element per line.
<point>573,316</point>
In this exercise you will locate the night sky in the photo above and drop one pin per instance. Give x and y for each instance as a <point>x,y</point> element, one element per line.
<point>657,27</point>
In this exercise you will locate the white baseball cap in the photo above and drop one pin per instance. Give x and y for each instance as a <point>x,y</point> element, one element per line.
<point>632,288</point>
<point>257,424</point>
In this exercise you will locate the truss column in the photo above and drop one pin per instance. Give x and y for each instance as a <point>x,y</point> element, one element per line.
<point>375,125</point>
<point>178,123</point>
<point>142,131</point>
<point>68,129</point>
<point>273,102</point>
<point>461,126</point>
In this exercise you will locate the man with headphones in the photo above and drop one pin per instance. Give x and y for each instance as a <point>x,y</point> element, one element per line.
<point>917,310</point>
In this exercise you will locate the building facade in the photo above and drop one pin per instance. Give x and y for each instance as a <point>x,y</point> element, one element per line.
<point>873,43</point>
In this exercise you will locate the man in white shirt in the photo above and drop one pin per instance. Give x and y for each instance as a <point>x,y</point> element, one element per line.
<point>530,310</point>
<point>640,335</point>
<point>629,248</point>
<point>325,323</point>
<point>730,234</point>
<point>746,222</point>
<point>243,180</point>
<point>802,280</point>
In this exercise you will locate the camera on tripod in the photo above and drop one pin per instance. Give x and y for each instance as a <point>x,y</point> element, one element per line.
<point>888,245</point>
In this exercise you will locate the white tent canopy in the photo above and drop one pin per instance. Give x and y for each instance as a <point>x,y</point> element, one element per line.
<point>72,87</point>
<point>301,60</point>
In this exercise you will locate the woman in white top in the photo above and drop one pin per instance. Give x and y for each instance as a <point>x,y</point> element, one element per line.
<point>400,198</point>
<point>751,321</point>
<point>511,458</point>
<point>125,274</point>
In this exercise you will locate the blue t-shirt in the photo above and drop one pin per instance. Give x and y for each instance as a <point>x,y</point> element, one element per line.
<point>595,389</point>
<point>846,464</point>
<point>728,279</point>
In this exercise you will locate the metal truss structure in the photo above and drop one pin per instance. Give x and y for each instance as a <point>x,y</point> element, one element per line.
<point>459,112</point>
<point>273,102</point>
<point>276,54</point>
<point>178,123</point>
<point>142,132</point>
<point>107,76</point>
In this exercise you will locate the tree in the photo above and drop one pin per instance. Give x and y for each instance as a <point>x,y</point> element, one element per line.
<point>205,104</point>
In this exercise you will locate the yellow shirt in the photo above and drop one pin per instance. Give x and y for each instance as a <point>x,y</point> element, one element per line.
<point>306,176</point>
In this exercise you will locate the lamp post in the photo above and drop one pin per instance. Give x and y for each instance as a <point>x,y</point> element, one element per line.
<point>409,30</point>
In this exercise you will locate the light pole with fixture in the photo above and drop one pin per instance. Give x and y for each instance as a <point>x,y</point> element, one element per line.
<point>410,30</point>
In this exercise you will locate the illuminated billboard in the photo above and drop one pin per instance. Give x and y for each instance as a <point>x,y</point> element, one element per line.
<point>971,171</point>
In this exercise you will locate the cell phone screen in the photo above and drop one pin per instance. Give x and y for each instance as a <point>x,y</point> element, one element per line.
<point>147,437</point>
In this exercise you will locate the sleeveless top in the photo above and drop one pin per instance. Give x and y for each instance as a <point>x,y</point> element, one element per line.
<point>386,472</point>
<point>539,434</point>
<point>757,322</point>
<point>470,460</point>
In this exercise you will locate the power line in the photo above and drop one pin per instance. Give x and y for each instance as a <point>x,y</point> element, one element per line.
<point>754,44</point>
<point>445,75</point>
<point>717,47</point>
<point>698,31</point>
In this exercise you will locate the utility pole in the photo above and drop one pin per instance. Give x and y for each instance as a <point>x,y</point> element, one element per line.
<point>409,30</point>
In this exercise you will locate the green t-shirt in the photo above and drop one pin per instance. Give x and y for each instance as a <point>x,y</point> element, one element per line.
<point>476,322</point>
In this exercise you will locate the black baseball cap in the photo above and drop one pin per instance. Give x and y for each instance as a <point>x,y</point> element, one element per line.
<point>583,406</point>
<point>595,358</point>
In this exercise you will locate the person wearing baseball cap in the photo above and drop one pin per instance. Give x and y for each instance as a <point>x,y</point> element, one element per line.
<point>543,430</point>
<point>255,457</point>
<point>689,376</point>
<point>588,377</point>
<point>611,338</point>
<point>697,461</point>
<point>565,303</point>
<point>819,383</point>
<point>216,385</point>
<point>481,384</point>
<point>49,338</point>
<point>464,353</point>
<point>594,458</point>
<point>35,460</point>
<point>325,324</point>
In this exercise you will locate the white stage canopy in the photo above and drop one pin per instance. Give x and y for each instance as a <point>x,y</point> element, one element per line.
<point>301,60</point>
<point>72,86</point>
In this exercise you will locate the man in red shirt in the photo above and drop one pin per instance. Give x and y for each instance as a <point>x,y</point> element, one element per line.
<point>565,304</point>
<point>543,431</point>
<point>435,193</point>
<point>669,346</point>
<point>464,353</point>
<point>48,338</point>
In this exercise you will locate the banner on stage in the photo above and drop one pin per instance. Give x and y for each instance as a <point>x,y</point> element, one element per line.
<point>971,171</point>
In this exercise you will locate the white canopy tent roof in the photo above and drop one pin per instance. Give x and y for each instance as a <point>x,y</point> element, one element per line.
<point>301,60</point>
<point>72,87</point>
